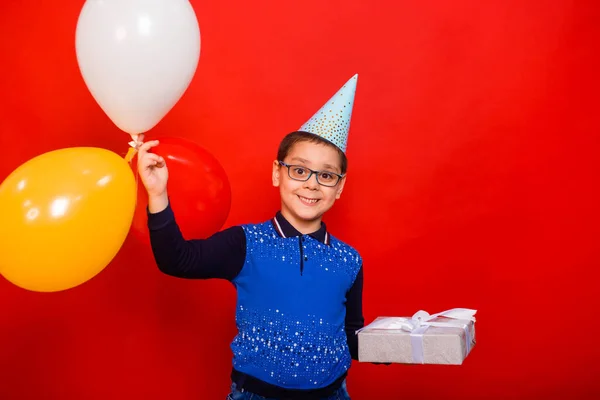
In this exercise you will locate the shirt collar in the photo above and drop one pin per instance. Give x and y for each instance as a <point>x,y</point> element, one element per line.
<point>285,229</point>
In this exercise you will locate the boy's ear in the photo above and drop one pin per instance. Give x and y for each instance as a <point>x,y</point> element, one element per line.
<point>276,173</point>
<point>340,187</point>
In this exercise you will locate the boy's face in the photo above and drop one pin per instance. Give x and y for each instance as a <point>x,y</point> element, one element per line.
<point>304,203</point>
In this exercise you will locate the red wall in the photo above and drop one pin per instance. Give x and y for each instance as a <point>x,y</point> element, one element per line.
<point>473,182</point>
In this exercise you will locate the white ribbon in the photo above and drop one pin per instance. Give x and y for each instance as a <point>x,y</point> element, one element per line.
<point>421,321</point>
<point>137,141</point>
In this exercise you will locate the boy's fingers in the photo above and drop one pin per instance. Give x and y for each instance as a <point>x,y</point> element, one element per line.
<point>151,159</point>
<point>144,148</point>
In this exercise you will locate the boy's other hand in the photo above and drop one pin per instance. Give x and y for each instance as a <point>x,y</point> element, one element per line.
<point>154,175</point>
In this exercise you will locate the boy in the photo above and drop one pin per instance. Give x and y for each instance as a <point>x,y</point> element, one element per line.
<point>299,290</point>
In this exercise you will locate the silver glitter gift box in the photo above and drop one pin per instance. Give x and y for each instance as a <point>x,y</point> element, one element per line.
<point>443,338</point>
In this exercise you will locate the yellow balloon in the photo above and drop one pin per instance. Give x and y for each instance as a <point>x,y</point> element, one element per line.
<point>64,215</point>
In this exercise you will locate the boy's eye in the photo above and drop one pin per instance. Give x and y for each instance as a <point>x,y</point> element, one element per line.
<point>326,176</point>
<point>299,171</point>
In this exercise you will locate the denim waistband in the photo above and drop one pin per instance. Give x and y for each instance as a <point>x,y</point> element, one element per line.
<point>261,388</point>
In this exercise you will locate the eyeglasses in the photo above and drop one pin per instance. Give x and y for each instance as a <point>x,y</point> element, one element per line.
<point>301,173</point>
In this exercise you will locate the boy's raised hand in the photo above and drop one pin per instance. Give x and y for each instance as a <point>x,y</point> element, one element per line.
<point>154,175</point>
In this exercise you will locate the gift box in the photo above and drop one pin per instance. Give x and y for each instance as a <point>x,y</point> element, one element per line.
<point>443,338</point>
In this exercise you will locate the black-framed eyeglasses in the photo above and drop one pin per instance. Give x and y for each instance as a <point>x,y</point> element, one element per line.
<point>302,173</point>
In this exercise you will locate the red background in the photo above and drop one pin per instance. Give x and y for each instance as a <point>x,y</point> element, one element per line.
<point>473,182</point>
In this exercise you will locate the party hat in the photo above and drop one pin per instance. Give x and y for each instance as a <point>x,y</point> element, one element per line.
<point>332,121</point>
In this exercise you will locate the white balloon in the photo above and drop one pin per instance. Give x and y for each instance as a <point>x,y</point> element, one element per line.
<point>137,57</point>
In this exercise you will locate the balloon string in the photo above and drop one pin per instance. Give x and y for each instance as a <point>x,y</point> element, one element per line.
<point>130,154</point>
<point>133,146</point>
<point>129,159</point>
<point>137,177</point>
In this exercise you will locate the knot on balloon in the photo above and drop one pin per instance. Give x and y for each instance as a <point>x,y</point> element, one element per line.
<point>134,145</point>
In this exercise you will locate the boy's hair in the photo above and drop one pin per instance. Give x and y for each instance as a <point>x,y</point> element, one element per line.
<point>300,136</point>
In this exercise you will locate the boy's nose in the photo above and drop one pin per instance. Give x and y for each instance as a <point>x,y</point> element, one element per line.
<point>312,183</point>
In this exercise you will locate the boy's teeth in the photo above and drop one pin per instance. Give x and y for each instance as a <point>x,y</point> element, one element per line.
<point>308,200</point>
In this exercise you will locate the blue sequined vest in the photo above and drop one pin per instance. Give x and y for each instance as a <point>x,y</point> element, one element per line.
<point>290,313</point>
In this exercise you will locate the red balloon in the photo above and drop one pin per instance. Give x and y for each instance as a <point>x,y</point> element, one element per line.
<point>199,190</point>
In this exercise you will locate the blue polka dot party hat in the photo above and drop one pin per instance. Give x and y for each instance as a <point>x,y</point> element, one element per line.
<point>332,121</point>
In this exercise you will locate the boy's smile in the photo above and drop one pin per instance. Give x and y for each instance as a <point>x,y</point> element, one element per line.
<point>303,203</point>
<point>307,201</point>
